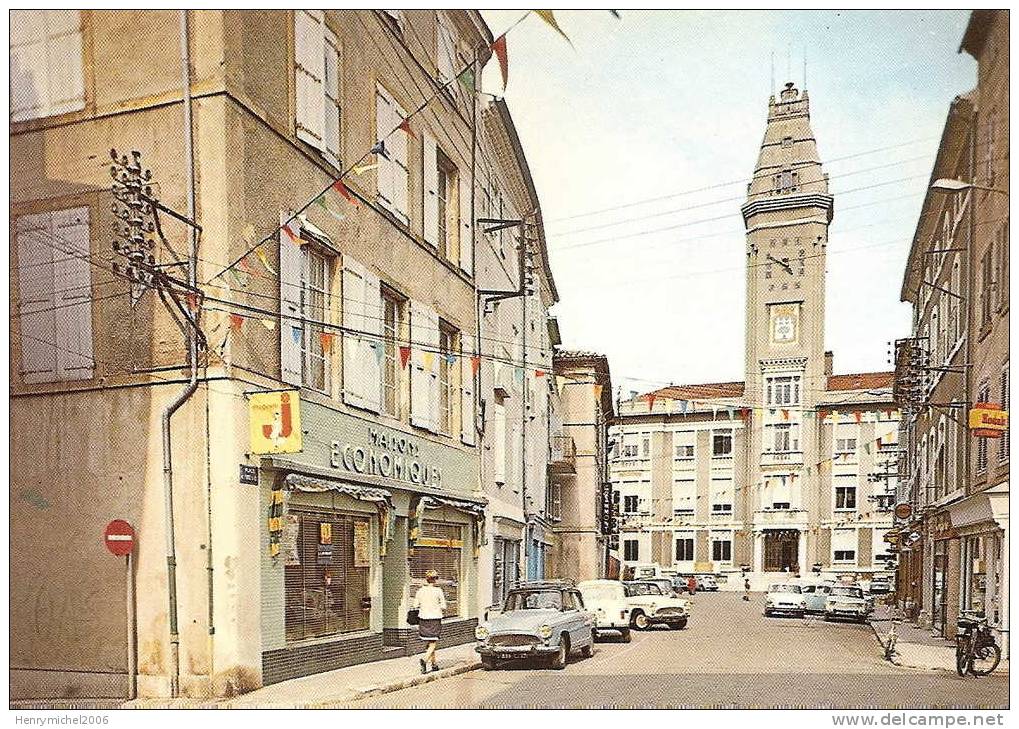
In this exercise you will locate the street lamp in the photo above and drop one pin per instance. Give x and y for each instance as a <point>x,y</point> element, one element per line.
<point>949,185</point>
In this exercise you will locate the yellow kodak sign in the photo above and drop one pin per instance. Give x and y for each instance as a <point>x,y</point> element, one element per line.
<point>988,420</point>
<point>275,422</point>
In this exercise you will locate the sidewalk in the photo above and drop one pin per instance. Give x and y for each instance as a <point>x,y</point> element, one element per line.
<point>916,647</point>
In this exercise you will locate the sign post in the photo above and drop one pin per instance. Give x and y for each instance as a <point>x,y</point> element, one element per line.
<point>119,539</point>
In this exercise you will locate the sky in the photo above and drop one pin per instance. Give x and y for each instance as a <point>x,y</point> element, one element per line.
<point>642,136</point>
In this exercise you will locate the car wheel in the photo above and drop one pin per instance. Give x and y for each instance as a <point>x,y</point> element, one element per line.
<point>625,635</point>
<point>588,650</point>
<point>559,659</point>
<point>679,625</point>
<point>767,613</point>
<point>488,663</point>
<point>641,621</point>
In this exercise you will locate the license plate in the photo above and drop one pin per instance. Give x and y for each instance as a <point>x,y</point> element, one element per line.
<point>515,649</point>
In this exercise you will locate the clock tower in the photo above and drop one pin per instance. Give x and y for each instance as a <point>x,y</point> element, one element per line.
<point>786,214</point>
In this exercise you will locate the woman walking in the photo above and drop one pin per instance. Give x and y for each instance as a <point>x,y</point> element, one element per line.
<point>431,603</point>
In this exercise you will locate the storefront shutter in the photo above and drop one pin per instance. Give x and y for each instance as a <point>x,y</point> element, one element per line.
<point>35,304</point>
<point>468,424</point>
<point>466,224</point>
<point>309,70</point>
<point>439,548</point>
<point>431,189</point>
<point>73,294</point>
<point>290,260</point>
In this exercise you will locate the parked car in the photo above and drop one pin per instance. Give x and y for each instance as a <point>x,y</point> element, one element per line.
<point>784,598</point>
<point>667,585</point>
<point>847,601</point>
<point>815,594</point>
<point>607,601</point>
<point>648,571</point>
<point>881,585</point>
<point>707,583</point>
<point>649,606</point>
<point>538,619</point>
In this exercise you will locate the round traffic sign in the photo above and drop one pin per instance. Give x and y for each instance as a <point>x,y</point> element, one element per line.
<point>119,537</point>
<point>903,510</point>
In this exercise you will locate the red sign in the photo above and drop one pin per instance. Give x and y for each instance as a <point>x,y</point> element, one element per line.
<point>903,510</point>
<point>119,537</point>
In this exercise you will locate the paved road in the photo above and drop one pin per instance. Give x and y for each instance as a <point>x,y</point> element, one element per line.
<point>728,656</point>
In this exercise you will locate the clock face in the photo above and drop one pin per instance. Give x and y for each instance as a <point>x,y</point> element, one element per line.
<point>784,328</point>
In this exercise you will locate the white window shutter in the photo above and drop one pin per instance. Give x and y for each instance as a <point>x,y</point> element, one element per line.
<point>309,74</point>
<point>384,172</point>
<point>354,275</point>
<point>397,147</point>
<point>370,374</point>
<point>468,425</point>
<point>445,52</point>
<point>331,111</point>
<point>420,412</point>
<point>434,402</point>
<point>431,190</point>
<point>64,61</point>
<point>73,295</point>
<point>466,224</point>
<point>291,264</point>
<point>36,297</point>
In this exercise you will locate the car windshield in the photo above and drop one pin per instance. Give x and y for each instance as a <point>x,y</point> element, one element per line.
<point>601,592</point>
<point>784,588</point>
<point>534,600</point>
<point>847,592</point>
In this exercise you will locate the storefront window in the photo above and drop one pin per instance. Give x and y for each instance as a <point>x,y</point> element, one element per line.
<point>439,548</point>
<point>975,565</point>
<point>326,577</point>
<point>939,606</point>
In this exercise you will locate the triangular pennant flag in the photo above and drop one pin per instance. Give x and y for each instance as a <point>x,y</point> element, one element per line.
<point>405,126</point>
<point>858,415</point>
<point>549,17</point>
<point>518,374</point>
<point>236,322</point>
<point>475,364</point>
<point>288,231</point>
<point>339,187</point>
<point>879,443</point>
<point>539,373</point>
<point>499,49</point>
<point>428,359</point>
<point>597,391</point>
<point>404,356</point>
<point>268,323</point>
<point>325,206</point>
<point>866,448</point>
<point>822,414</point>
<point>450,358</point>
<point>245,265</point>
<point>265,260</point>
<point>361,169</point>
<point>295,332</point>
<point>466,79</point>
<point>650,401</point>
<point>380,149</point>
<point>744,413</point>
<point>785,414</point>
<point>326,338</point>
<point>835,417</point>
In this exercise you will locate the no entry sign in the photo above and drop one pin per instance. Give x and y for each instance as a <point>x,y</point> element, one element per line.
<point>119,537</point>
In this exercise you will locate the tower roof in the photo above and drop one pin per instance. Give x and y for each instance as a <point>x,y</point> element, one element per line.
<point>788,173</point>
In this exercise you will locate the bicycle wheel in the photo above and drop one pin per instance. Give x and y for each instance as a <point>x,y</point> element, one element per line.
<point>961,655</point>
<point>985,659</point>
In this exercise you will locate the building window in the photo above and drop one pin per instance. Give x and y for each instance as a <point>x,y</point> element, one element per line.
<point>46,68</point>
<point>631,550</point>
<point>844,545</point>
<point>984,395</point>
<point>315,310</point>
<point>439,547</point>
<point>845,498</point>
<point>684,452</point>
<point>782,390</point>
<point>845,445</point>
<point>721,550</point>
<point>448,387</point>
<point>721,444</point>
<point>785,440</point>
<point>684,549</point>
<point>392,170</point>
<point>317,83</point>
<point>55,295</point>
<point>392,325</point>
<point>721,508</point>
<point>554,501</point>
<point>1003,440</point>
<point>447,190</point>
<point>645,448</point>
<point>845,555</point>
<point>630,450</point>
<point>986,287</point>
<point>630,504</point>
<point>325,576</point>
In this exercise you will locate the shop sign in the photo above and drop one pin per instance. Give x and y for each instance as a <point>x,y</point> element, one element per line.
<point>362,544</point>
<point>903,510</point>
<point>324,555</point>
<point>988,420</point>
<point>325,533</point>
<point>941,524</point>
<point>387,454</point>
<point>249,475</point>
<point>606,508</point>
<point>274,419</point>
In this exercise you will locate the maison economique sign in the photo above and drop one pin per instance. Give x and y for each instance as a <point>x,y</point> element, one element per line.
<point>385,453</point>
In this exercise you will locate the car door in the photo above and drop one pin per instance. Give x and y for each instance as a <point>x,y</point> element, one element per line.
<point>584,618</point>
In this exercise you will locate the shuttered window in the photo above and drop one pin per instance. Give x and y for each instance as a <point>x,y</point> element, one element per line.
<point>55,296</point>
<point>392,170</point>
<point>309,75</point>
<point>1003,440</point>
<point>46,70</point>
<point>362,346</point>
<point>327,590</point>
<point>439,548</point>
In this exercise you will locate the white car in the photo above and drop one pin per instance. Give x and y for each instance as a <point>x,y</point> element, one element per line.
<point>784,598</point>
<point>707,583</point>
<point>607,601</point>
<point>649,605</point>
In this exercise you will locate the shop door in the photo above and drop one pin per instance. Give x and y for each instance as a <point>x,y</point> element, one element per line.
<point>439,548</point>
<point>781,551</point>
<point>939,606</point>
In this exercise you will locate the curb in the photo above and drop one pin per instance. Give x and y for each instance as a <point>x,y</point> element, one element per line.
<point>417,680</point>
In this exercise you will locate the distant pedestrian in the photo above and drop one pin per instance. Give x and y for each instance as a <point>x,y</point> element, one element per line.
<point>431,603</point>
<point>691,584</point>
<point>746,589</point>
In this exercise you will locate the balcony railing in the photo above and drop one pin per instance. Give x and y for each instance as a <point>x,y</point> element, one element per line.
<point>563,458</point>
<point>772,458</point>
<point>779,516</point>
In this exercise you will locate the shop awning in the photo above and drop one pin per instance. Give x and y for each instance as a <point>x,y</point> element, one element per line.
<point>297,482</point>
<point>477,511</point>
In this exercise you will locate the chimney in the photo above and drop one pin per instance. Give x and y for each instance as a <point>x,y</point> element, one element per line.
<point>829,361</point>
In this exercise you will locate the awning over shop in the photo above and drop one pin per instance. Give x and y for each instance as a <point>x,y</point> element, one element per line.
<point>422,502</point>
<point>382,499</point>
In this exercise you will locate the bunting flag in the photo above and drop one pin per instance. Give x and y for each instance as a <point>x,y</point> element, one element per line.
<point>245,265</point>
<point>326,339</point>
<point>744,413</point>
<point>361,169</point>
<point>236,322</point>
<point>785,414</point>
<point>268,324</point>
<point>549,17</point>
<point>822,414</point>
<point>295,332</point>
<point>730,411</point>
<point>866,448</point>
<point>404,357</point>
<point>450,358</point>
<point>288,231</point>
<point>466,79</point>
<point>539,373</point>
<point>858,415</point>
<point>428,359</point>
<point>518,374</point>
<point>325,206</point>
<point>237,278</point>
<point>405,126</point>
<point>597,391</point>
<point>380,149</point>
<point>834,417</point>
<point>500,51</point>
<point>650,401</point>
<point>339,187</point>
<point>265,260</point>
<point>475,365</point>
<point>378,353</point>
<point>192,302</point>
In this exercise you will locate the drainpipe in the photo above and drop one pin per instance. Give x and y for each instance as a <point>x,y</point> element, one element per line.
<point>192,386</point>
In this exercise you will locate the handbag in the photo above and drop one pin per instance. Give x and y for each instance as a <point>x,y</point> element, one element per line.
<point>412,616</point>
